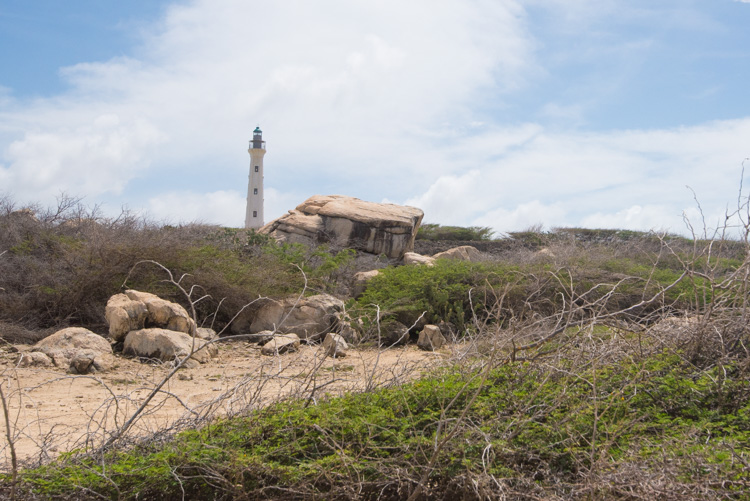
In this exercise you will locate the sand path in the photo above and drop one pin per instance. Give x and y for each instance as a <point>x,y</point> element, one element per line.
<point>52,412</point>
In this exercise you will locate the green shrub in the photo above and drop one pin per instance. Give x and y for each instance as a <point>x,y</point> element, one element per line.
<point>441,291</point>
<point>438,232</point>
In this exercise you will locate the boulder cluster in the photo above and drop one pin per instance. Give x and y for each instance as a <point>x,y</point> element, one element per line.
<point>150,328</point>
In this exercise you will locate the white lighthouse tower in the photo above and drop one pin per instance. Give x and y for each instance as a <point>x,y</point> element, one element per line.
<point>254,213</point>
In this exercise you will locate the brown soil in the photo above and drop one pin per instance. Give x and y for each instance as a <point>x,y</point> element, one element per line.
<point>51,411</point>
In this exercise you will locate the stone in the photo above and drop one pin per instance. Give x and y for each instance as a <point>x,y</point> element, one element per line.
<point>361,279</point>
<point>135,310</point>
<point>393,333</point>
<point>164,314</point>
<point>544,254</point>
<point>462,253</point>
<point>349,333</point>
<point>349,222</point>
<point>261,337</point>
<point>72,343</point>
<point>431,339</point>
<point>124,315</point>
<point>414,258</point>
<point>281,343</point>
<point>34,359</point>
<point>309,317</point>
<point>167,346</point>
<point>447,329</point>
<point>206,334</point>
<point>335,346</point>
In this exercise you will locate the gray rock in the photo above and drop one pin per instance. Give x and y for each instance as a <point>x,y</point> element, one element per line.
<point>431,339</point>
<point>281,343</point>
<point>335,346</point>
<point>393,333</point>
<point>349,222</point>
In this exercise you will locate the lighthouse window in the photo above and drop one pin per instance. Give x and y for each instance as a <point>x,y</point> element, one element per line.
<point>256,168</point>
<point>255,191</point>
<point>255,213</point>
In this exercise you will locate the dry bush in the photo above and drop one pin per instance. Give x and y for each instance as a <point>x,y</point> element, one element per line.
<point>59,266</point>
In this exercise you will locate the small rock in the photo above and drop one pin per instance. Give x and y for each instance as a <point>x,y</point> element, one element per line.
<point>393,333</point>
<point>349,333</point>
<point>430,339</point>
<point>34,359</point>
<point>361,279</point>
<point>462,253</point>
<point>81,364</point>
<point>206,334</point>
<point>414,258</point>
<point>335,346</point>
<point>282,343</point>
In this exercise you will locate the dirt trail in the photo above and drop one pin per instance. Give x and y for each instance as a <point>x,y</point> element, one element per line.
<point>52,412</point>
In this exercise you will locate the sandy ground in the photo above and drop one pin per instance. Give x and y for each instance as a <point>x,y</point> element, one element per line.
<point>51,412</point>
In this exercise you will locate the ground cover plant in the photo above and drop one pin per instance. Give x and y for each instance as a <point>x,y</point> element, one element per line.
<point>603,368</point>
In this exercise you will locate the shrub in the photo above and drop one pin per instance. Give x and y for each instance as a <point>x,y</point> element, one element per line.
<point>438,232</point>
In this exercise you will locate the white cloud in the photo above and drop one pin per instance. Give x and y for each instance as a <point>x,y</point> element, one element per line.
<point>379,100</point>
<point>619,179</point>
<point>350,95</point>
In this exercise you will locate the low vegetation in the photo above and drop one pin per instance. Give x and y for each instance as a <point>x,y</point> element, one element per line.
<point>612,365</point>
<point>437,232</point>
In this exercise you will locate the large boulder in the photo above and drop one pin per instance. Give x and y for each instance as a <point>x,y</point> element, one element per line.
<point>349,222</point>
<point>134,310</point>
<point>78,350</point>
<point>167,345</point>
<point>311,317</point>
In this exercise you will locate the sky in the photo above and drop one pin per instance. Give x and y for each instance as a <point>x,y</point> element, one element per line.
<point>512,114</point>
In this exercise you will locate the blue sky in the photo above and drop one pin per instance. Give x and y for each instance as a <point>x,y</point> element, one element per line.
<point>481,112</point>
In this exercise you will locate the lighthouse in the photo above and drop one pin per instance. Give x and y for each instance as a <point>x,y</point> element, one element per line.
<point>254,212</point>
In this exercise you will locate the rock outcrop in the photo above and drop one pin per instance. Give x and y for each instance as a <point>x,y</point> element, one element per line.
<point>135,310</point>
<point>310,318</point>
<point>349,222</point>
<point>76,349</point>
